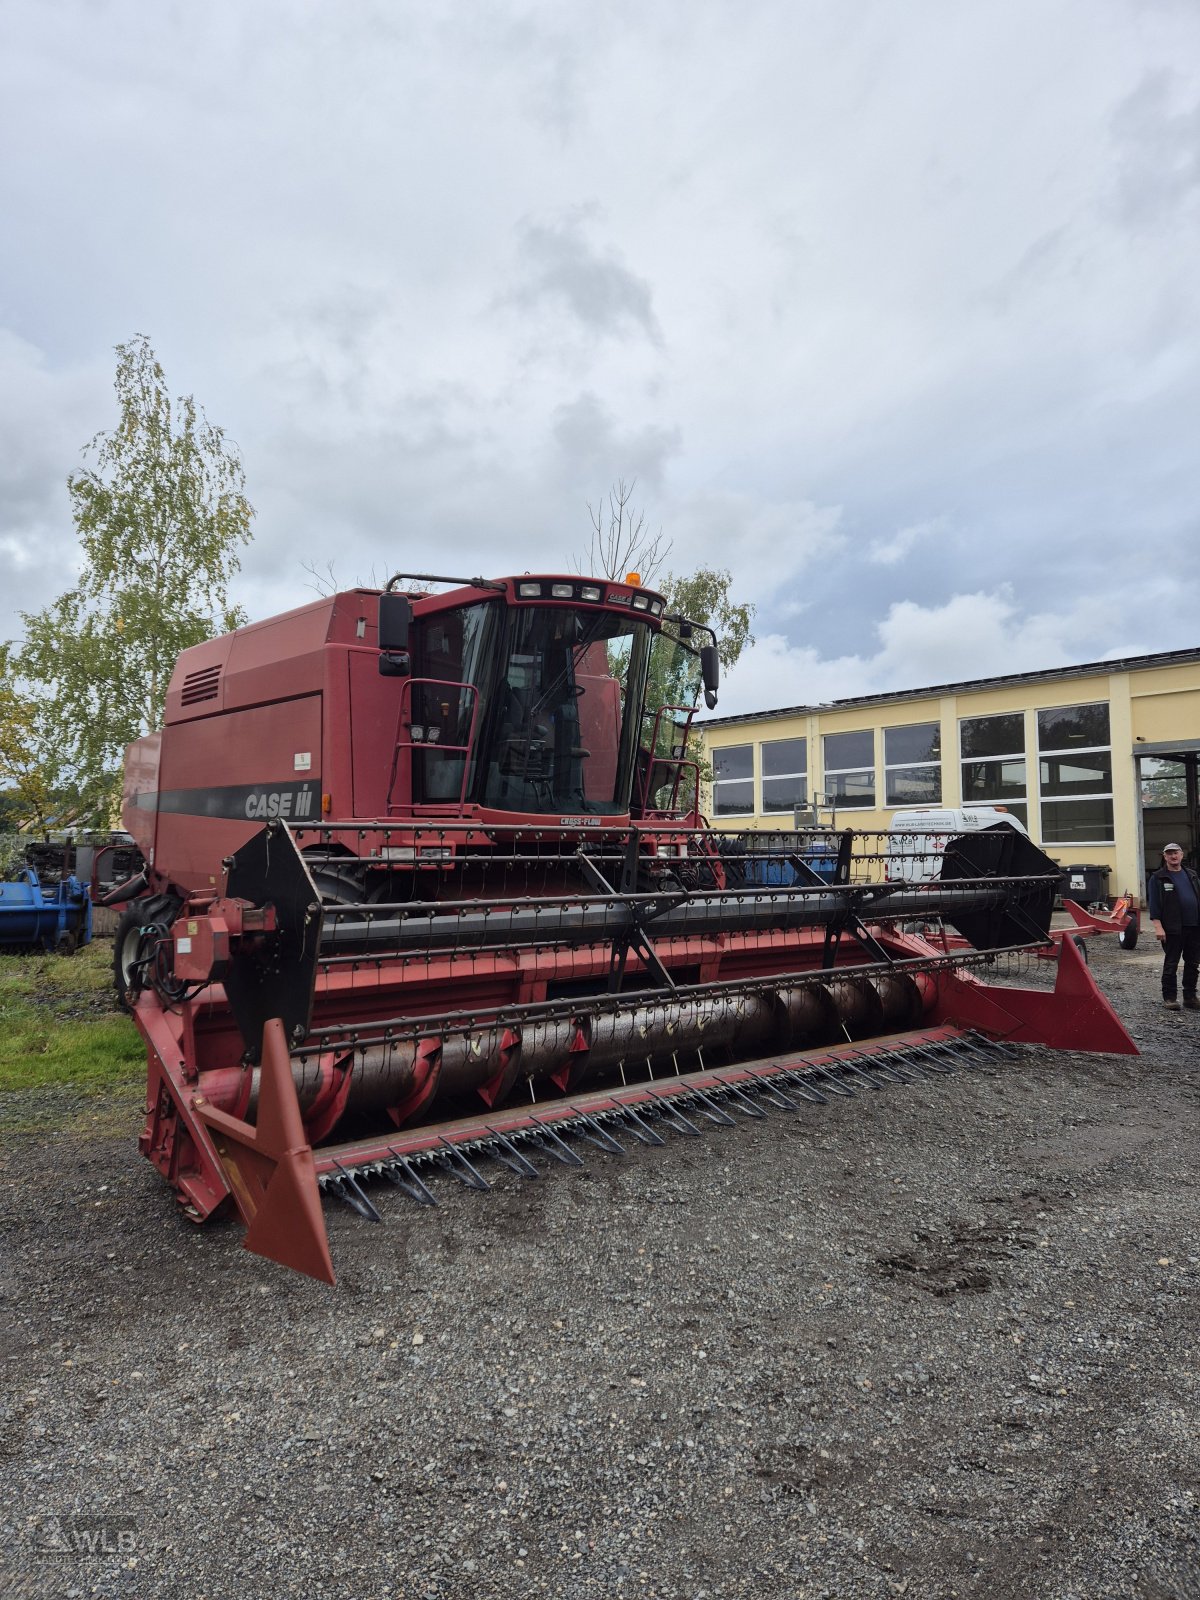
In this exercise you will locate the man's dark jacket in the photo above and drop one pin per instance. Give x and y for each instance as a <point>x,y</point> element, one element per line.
<point>1170,915</point>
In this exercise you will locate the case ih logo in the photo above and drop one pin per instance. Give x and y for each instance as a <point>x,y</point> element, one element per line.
<point>264,805</point>
<point>253,802</point>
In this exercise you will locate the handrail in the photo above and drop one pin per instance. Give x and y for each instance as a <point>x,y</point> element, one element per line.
<point>424,744</point>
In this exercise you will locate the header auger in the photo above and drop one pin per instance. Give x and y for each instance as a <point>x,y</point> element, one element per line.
<point>484,918</point>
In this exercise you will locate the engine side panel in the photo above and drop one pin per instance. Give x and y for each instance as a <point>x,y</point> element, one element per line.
<point>139,805</point>
<point>222,778</point>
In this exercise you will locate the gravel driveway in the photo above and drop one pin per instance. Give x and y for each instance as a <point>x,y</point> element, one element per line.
<point>935,1341</point>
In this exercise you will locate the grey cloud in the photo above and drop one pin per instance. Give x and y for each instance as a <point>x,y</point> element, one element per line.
<point>594,452</point>
<point>562,267</point>
<point>891,550</point>
<point>547,52</point>
<point>1158,150</point>
<point>47,415</point>
<point>1047,258</point>
<point>774,311</point>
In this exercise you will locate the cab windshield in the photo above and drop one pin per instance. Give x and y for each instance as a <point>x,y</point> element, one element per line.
<point>543,702</point>
<point>562,733</point>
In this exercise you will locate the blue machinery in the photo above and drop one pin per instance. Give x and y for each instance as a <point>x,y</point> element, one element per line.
<point>58,918</point>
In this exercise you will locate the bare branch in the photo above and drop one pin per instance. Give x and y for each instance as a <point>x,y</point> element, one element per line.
<point>620,540</point>
<point>323,583</point>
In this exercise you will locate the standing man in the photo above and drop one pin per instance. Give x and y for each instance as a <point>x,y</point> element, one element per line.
<point>1174,893</point>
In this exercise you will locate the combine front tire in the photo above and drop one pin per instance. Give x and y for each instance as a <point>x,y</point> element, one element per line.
<point>339,888</point>
<point>142,923</point>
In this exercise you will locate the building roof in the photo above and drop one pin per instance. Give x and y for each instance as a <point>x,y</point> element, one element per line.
<point>1164,658</point>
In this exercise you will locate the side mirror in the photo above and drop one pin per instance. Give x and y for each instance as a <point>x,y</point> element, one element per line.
<point>395,615</point>
<point>710,671</point>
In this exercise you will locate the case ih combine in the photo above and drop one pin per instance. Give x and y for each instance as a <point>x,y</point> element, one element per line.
<point>426,883</point>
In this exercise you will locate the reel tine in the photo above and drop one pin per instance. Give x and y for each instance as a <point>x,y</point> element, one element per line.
<point>546,1139</point>
<point>502,1149</point>
<point>673,1117</point>
<point>861,1072</point>
<point>409,1183</point>
<point>806,1091</point>
<point>833,1083</point>
<point>744,1102</point>
<point>973,1050</point>
<point>453,1160</point>
<point>642,1131</point>
<point>911,1064</point>
<point>994,1047</point>
<point>710,1109</point>
<point>773,1094</point>
<point>347,1189</point>
<point>932,1061</point>
<point>950,1055</point>
<point>891,1064</point>
<point>588,1128</point>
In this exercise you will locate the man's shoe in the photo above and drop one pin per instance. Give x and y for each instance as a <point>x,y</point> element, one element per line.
<point>1172,1005</point>
<point>1190,1003</point>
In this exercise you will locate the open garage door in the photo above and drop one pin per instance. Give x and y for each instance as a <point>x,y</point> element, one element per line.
<point>1170,799</point>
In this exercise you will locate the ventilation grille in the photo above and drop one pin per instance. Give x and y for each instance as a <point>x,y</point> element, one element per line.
<point>201,685</point>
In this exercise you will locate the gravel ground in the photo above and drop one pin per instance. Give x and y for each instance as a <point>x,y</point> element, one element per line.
<point>934,1341</point>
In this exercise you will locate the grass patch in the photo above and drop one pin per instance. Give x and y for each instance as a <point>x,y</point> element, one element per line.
<point>59,1023</point>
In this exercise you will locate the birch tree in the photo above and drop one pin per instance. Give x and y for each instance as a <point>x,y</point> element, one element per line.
<point>161,516</point>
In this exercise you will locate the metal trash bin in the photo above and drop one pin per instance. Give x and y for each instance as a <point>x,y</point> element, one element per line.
<point>1086,884</point>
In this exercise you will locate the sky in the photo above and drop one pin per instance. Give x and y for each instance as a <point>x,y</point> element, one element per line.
<point>892,311</point>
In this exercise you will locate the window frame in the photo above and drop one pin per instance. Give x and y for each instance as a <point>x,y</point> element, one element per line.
<point>1010,801</point>
<point>843,802</point>
<point>1075,799</point>
<point>890,767</point>
<point>718,783</point>
<point>765,777</point>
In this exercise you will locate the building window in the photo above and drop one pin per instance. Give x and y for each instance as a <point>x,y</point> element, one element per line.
<point>993,762</point>
<point>912,764</point>
<point>850,770</point>
<point>1164,785</point>
<point>784,774</point>
<point>733,781</point>
<point>1075,773</point>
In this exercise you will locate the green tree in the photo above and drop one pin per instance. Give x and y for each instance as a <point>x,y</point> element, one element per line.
<point>704,596</point>
<point>161,516</point>
<point>621,541</point>
<point>29,772</point>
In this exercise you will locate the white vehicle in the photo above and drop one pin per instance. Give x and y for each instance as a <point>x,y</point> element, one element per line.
<point>918,836</point>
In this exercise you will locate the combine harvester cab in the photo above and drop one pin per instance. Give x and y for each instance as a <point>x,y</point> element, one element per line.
<point>427,883</point>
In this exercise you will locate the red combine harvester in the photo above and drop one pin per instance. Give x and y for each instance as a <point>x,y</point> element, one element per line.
<point>426,882</point>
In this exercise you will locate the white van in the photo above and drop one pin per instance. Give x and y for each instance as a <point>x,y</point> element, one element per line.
<point>918,837</point>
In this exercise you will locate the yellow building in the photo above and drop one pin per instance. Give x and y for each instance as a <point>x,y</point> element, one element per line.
<point>1099,761</point>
